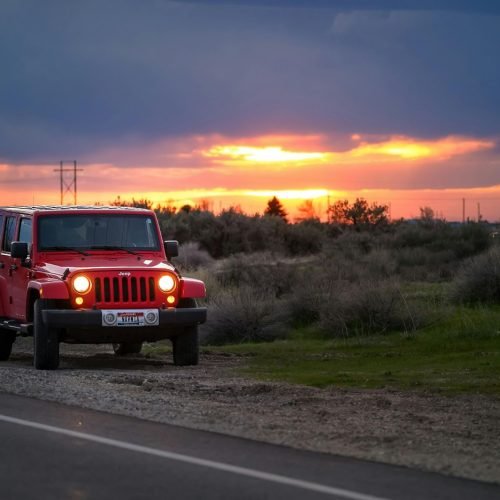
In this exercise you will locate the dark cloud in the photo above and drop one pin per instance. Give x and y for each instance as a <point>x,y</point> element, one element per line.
<point>78,78</point>
<point>484,6</point>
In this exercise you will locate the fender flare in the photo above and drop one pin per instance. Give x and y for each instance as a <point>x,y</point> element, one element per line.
<point>192,288</point>
<point>49,289</point>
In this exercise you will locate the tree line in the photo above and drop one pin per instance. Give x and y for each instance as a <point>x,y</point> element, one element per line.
<point>232,231</point>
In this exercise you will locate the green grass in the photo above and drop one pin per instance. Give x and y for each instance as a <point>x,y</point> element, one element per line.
<point>460,353</point>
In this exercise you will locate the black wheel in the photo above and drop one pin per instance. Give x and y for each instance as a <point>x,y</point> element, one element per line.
<point>185,345</point>
<point>125,348</point>
<point>6,340</point>
<point>186,348</point>
<point>45,340</point>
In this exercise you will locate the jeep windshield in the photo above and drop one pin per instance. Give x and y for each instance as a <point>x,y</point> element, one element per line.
<point>104,232</point>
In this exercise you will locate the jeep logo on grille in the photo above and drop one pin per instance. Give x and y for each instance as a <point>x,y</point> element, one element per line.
<point>124,273</point>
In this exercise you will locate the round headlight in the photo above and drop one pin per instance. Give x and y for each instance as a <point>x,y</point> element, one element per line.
<point>81,284</point>
<point>166,283</point>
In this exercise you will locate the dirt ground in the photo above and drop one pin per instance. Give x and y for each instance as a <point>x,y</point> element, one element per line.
<point>452,435</point>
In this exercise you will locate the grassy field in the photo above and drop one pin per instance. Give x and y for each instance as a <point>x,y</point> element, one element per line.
<point>458,354</point>
<point>414,308</point>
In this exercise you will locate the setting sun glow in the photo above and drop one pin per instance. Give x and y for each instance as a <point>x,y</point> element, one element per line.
<point>269,154</point>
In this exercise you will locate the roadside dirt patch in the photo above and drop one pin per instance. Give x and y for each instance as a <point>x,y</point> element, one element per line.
<point>452,435</point>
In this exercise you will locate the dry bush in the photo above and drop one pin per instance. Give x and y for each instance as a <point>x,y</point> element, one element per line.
<point>342,308</point>
<point>478,281</point>
<point>422,264</point>
<point>313,289</point>
<point>365,308</point>
<point>304,238</point>
<point>243,314</point>
<point>353,244</point>
<point>261,270</point>
<point>380,263</point>
<point>192,257</point>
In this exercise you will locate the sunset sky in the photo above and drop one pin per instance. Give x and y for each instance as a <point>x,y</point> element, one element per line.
<point>235,101</point>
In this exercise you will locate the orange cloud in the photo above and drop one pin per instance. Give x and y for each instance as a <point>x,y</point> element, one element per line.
<point>407,148</point>
<point>263,150</point>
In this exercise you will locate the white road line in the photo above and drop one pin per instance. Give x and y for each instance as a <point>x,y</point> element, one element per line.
<point>242,471</point>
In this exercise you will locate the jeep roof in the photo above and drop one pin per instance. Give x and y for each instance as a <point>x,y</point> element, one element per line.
<point>31,209</point>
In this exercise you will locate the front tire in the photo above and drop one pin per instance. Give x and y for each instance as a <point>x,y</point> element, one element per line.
<point>186,348</point>
<point>6,340</point>
<point>45,340</point>
<point>124,348</point>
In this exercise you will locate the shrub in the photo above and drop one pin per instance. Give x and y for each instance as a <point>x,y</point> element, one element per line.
<point>380,263</point>
<point>354,244</point>
<point>243,314</point>
<point>342,309</point>
<point>368,307</point>
<point>305,303</point>
<point>304,238</point>
<point>192,257</point>
<point>263,271</point>
<point>473,239</point>
<point>478,280</point>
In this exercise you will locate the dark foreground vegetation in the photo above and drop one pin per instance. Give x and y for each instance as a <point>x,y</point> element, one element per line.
<point>359,301</point>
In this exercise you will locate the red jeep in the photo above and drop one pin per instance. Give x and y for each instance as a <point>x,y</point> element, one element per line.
<point>93,275</point>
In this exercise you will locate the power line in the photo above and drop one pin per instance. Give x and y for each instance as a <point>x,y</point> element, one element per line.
<point>68,186</point>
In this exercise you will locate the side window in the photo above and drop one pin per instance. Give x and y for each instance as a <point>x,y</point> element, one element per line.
<point>8,236</point>
<point>1,226</point>
<point>25,231</point>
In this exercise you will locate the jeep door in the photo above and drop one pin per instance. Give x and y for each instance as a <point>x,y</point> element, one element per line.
<point>20,274</point>
<point>9,231</point>
<point>3,272</point>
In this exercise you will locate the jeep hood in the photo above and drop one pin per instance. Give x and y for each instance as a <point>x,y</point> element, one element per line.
<point>130,263</point>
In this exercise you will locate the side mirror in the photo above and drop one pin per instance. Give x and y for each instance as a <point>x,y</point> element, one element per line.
<point>19,250</point>
<point>171,248</point>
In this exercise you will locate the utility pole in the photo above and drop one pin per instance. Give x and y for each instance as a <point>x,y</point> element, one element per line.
<point>463,210</point>
<point>478,212</point>
<point>68,185</point>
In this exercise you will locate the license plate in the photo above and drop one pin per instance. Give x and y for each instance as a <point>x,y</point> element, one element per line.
<point>130,319</point>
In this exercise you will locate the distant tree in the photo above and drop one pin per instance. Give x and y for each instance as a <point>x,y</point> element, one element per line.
<point>427,214</point>
<point>360,215</point>
<point>166,210</point>
<point>203,205</point>
<point>307,212</point>
<point>337,213</point>
<point>140,203</point>
<point>274,207</point>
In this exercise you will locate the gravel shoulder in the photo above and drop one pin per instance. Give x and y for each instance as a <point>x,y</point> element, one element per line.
<point>451,435</point>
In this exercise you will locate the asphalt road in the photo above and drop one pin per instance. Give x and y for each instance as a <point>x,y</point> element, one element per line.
<point>53,451</point>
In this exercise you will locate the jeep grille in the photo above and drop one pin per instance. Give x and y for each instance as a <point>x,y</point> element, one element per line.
<point>125,289</point>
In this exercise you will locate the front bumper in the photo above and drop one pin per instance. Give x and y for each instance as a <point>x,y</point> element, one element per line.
<point>85,326</point>
<point>68,318</point>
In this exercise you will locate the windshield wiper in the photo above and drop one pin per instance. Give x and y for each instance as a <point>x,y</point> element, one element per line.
<point>112,247</point>
<point>63,249</point>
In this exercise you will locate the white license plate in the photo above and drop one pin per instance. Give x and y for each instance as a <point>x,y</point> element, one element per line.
<point>134,317</point>
<point>130,319</point>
